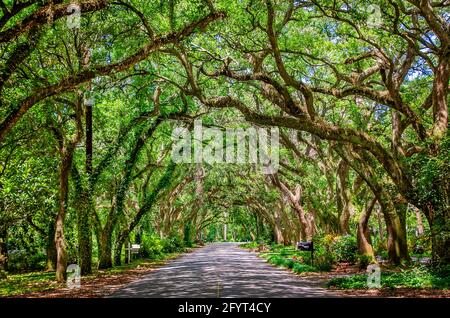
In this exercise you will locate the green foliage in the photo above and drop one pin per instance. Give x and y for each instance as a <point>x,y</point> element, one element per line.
<point>432,170</point>
<point>346,249</point>
<point>187,240</point>
<point>416,277</point>
<point>20,260</point>
<point>351,282</point>
<point>250,245</point>
<point>173,243</point>
<point>323,262</point>
<point>319,48</point>
<point>151,246</point>
<point>291,264</point>
<point>364,261</point>
<point>25,283</point>
<point>304,268</point>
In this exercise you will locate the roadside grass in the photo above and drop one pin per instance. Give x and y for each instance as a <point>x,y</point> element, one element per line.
<point>24,283</point>
<point>285,256</point>
<point>412,277</point>
<point>17,284</point>
<point>416,278</point>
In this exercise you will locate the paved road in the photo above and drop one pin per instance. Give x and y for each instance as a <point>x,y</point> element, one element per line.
<point>222,270</point>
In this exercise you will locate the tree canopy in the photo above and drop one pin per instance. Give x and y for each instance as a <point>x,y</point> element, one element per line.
<point>91,92</point>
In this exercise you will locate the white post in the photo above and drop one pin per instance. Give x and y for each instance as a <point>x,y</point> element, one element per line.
<point>129,252</point>
<point>225,226</point>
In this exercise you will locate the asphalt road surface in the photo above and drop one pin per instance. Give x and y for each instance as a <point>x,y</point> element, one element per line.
<point>222,270</point>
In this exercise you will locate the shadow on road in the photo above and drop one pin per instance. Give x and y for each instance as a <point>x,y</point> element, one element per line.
<point>222,270</point>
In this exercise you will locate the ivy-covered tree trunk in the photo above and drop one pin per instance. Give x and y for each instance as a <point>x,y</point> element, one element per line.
<point>84,235</point>
<point>51,248</point>
<point>3,253</point>
<point>440,234</point>
<point>105,250</point>
<point>60,243</point>
<point>146,207</point>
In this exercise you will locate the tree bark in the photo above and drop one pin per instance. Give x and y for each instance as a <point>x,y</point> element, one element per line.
<point>67,148</point>
<point>61,252</point>
<point>397,243</point>
<point>344,197</point>
<point>84,234</point>
<point>51,248</point>
<point>440,234</point>
<point>3,253</point>
<point>84,212</point>
<point>150,200</point>
<point>105,247</point>
<point>277,231</point>
<point>420,228</point>
<point>363,233</point>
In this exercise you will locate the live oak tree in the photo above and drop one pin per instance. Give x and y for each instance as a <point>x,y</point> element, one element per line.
<point>361,101</point>
<point>341,60</point>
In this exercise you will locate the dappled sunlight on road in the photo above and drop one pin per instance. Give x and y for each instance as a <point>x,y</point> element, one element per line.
<point>223,270</point>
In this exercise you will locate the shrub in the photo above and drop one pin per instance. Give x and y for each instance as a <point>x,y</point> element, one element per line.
<point>303,268</point>
<point>276,260</point>
<point>173,244</point>
<point>324,262</point>
<point>346,249</point>
<point>365,260</point>
<point>188,235</point>
<point>21,260</point>
<point>151,246</point>
<point>416,277</point>
<point>355,281</point>
<point>250,245</point>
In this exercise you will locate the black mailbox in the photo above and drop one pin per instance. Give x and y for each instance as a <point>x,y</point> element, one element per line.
<point>305,246</point>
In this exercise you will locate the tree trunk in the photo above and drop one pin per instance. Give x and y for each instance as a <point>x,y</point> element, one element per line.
<point>3,253</point>
<point>345,205</point>
<point>84,235</point>
<point>380,224</point>
<point>67,148</point>
<point>363,234</point>
<point>105,249</point>
<point>397,243</point>
<point>440,234</point>
<point>394,219</point>
<point>61,252</point>
<point>277,231</point>
<point>83,224</point>
<point>118,250</point>
<point>420,228</point>
<point>51,248</point>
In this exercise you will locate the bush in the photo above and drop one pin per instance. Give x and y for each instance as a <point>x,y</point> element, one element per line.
<point>346,249</point>
<point>151,246</point>
<point>292,264</point>
<point>324,262</point>
<point>365,260</point>
<point>188,232</point>
<point>21,260</point>
<point>416,277</point>
<point>250,245</point>
<point>173,244</point>
<point>303,268</point>
<point>355,281</point>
